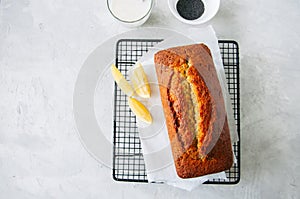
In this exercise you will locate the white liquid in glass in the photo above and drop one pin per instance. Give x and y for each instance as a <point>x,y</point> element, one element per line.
<point>130,10</point>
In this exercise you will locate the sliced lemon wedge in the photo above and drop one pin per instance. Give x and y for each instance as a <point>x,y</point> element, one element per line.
<point>121,81</point>
<point>139,81</point>
<point>139,110</point>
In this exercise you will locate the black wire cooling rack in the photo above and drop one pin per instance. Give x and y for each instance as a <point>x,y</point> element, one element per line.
<point>128,161</point>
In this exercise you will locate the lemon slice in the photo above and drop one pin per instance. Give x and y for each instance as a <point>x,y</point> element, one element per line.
<point>121,81</point>
<point>139,81</point>
<point>139,110</point>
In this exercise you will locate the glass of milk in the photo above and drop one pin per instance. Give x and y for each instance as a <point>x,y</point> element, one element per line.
<point>130,12</point>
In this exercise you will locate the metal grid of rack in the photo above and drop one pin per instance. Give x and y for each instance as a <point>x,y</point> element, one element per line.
<point>128,161</point>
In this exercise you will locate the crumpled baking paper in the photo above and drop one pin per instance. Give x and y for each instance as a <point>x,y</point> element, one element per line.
<point>154,138</point>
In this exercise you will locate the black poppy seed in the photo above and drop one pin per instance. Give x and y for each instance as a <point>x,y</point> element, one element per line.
<point>190,9</point>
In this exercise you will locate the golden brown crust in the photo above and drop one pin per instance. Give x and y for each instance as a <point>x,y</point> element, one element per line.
<point>194,109</point>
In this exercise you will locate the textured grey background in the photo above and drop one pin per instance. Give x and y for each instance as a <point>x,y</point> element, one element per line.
<point>42,47</point>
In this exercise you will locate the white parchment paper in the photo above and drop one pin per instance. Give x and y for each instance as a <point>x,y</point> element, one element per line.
<point>154,138</point>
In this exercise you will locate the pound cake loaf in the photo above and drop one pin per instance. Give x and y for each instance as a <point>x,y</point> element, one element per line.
<point>194,109</point>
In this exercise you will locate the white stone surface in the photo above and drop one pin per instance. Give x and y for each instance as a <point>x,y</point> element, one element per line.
<point>42,47</point>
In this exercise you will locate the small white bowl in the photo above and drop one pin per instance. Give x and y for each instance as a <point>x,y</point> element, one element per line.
<point>211,8</point>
